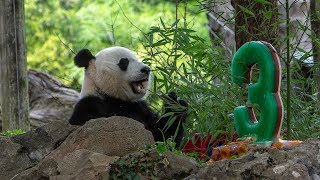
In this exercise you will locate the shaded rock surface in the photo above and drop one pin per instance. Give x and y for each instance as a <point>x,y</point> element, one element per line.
<point>12,158</point>
<point>80,164</point>
<point>87,152</point>
<point>114,136</point>
<point>84,164</point>
<point>26,150</point>
<point>39,142</point>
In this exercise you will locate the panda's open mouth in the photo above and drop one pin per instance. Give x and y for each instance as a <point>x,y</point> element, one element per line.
<point>139,87</point>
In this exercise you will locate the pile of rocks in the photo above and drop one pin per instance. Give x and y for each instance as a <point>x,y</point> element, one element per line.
<point>117,145</point>
<point>62,151</point>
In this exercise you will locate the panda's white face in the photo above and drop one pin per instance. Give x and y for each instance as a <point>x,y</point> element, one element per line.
<point>117,72</point>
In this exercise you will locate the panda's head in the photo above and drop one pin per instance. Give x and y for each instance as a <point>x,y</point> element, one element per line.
<point>114,71</point>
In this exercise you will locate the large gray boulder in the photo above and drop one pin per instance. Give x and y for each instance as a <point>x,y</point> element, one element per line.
<point>87,152</point>
<point>113,136</point>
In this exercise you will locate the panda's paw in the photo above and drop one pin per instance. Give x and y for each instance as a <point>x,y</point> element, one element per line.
<point>175,104</point>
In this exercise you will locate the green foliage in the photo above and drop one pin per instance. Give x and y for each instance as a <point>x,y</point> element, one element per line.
<point>56,29</point>
<point>176,46</point>
<point>13,132</point>
<point>96,25</point>
<point>160,147</point>
<point>168,145</point>
<point>185,63</point>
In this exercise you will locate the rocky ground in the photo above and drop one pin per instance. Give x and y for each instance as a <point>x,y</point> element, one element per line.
<point>115,148</point>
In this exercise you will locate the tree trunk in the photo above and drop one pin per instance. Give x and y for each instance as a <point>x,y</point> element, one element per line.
<point>315,26</point>
<point>13,69</point>
<point>255,22</point>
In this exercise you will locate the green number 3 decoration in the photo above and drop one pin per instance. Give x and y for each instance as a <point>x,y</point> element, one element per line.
<point>265,92</point>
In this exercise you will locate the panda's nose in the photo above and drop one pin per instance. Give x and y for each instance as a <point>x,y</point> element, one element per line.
<point>145,70</point>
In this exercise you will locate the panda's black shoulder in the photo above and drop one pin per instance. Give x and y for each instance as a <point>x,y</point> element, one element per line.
<point>110,103</point>
<point>88,101</point>
<point>91,107</point>
<point>138,110</point>
<point>128,106</point>
<point>87,108</point>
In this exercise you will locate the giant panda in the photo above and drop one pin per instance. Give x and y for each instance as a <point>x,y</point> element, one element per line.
<point>115,83</point>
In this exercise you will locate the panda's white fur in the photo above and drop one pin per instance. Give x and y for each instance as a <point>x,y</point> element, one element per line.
<point>103,73</point>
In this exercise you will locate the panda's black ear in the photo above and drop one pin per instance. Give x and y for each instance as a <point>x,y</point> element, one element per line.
<point>83,58</point>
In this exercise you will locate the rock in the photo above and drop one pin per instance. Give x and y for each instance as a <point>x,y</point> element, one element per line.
<point>114,148</point>
<point>78,165</point>
<point>26,150</point>
<point>300,162</point>
<point>113,136</point>
<point>87,148</point>
<point>12,158</point>
<point>148,164</point>
<point>178,166</point>
<point>84,164</point>
<point>39,142</point>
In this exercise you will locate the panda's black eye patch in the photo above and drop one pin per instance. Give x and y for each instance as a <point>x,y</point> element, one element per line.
<point>123,64</point>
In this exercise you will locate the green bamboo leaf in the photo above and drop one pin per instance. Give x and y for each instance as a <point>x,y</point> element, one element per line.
<point>247,11</point>
<point>169,123</point>
<point>163,25</point>
<point>263,2</point>
<point>151,39</point>
<point>175,23</point>
<point>187,30</point>
<point>154,29</point>
<point>177,130</point>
